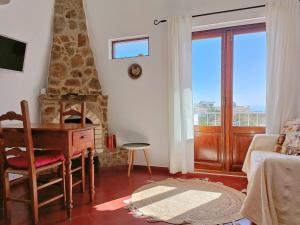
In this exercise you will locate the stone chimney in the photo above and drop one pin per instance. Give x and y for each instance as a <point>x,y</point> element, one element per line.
<point>73,77</point>
<point>72,68</point>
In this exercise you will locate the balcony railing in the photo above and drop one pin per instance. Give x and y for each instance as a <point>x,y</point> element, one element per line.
<point>239,119</point>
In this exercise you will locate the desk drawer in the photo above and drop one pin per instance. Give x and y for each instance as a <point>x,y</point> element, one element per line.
<point>83,139</point>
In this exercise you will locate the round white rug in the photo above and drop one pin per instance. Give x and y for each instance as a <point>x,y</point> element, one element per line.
<point>187,201</point>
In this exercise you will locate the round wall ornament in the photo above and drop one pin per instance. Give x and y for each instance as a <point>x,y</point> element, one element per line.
<point>135,71</point>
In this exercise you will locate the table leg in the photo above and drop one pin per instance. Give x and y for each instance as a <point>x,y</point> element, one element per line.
<point>69,186</point>
<point>83,171</point>
<point>133,154</point>
<point>147,160</point>
<point>92,174</point>
<point>130,152</point>
<point>1,182</point>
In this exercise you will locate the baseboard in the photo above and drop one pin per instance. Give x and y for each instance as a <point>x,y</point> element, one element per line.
<point>138,167</point>
<point>154,168</point>
<point>166,170</point>
<point>221,173</point>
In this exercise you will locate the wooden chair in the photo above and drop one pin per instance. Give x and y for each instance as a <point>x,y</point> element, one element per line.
<point>80,153</point>
<point>27,163</point>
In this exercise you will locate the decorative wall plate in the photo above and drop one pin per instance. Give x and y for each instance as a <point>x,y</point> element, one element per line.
<point>135,71</point>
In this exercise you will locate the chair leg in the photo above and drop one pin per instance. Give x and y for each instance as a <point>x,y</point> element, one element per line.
<point>69,186</point>
<point>82,172</point>
<point>1,182</point>
<point>34,199</point>
<point>6,195</point>
<point>147,160</point>
<point>63,183</point>
<point>129,161</point>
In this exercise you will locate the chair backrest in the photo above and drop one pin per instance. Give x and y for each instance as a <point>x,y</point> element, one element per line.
<point>72,112</point>
<point>26,135</point>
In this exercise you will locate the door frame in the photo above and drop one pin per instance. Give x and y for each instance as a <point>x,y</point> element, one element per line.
<point>228,131</point>
<point>234,131</point>
<point>215,130</point>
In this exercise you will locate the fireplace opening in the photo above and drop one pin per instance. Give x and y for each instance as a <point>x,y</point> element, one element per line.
<point>76,119</point>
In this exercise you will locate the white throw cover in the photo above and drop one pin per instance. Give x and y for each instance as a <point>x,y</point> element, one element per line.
<point>273,184</point>
<point>283,33</point>
<point>263,143</point>
<point>181,140</point>
<point>273,196</point>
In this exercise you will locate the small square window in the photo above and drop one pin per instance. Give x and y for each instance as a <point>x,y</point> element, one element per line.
<point>130,48</point>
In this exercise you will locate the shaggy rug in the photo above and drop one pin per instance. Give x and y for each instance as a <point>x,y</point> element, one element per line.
<point>187,201</point>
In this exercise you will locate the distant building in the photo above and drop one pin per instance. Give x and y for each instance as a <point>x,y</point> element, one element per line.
<point>241,109</point>
<point>207,114</point>
<point>206,104</point>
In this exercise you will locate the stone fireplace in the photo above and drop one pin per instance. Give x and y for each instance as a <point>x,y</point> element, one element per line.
<point>73,77</point>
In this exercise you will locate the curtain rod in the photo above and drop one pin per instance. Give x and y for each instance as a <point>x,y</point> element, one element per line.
<point>156,22</point>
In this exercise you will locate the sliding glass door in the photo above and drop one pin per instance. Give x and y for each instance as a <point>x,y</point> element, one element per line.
<point>229,88</point>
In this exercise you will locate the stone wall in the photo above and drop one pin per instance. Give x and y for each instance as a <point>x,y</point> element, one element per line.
<point>73,77</point>
<point>72,68</point>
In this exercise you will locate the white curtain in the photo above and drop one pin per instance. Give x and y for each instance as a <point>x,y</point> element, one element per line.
<point>181,140</point>
<point>283,81</point>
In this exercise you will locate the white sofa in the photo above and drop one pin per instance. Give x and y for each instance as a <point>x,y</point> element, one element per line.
<point>261,148</point>
<point>273,193</point>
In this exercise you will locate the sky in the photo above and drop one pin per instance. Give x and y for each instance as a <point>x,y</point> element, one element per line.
<point>249,70</point>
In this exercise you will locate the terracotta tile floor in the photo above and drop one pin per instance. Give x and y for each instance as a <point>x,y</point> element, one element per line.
<point>112,187</point>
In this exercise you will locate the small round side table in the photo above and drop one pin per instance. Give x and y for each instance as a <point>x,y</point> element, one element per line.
<point>132,147</point>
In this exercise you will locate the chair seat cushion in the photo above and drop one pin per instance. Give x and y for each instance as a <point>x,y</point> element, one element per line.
<point>42,158</point>
<point>77,153</point>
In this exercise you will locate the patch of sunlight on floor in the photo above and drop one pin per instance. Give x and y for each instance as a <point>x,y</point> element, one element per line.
<point>119,203</point>
<point>112,205</point>
<point>188,200</point>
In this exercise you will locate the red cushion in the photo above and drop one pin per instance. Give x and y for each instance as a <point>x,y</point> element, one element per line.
<point>77,152</point>
<point>42,158</point>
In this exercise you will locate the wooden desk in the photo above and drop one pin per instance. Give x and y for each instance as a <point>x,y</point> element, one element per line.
<point>66,138</point>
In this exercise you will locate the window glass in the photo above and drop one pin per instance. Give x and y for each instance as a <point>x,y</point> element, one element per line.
<point>249,79</point>
<point>206,65</point>
<point>130,48</point>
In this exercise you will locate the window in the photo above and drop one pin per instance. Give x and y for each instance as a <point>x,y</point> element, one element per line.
<point>129,48</point>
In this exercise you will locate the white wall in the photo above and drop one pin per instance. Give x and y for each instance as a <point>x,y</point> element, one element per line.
<point>29,21</point>
<point>138,109</point>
